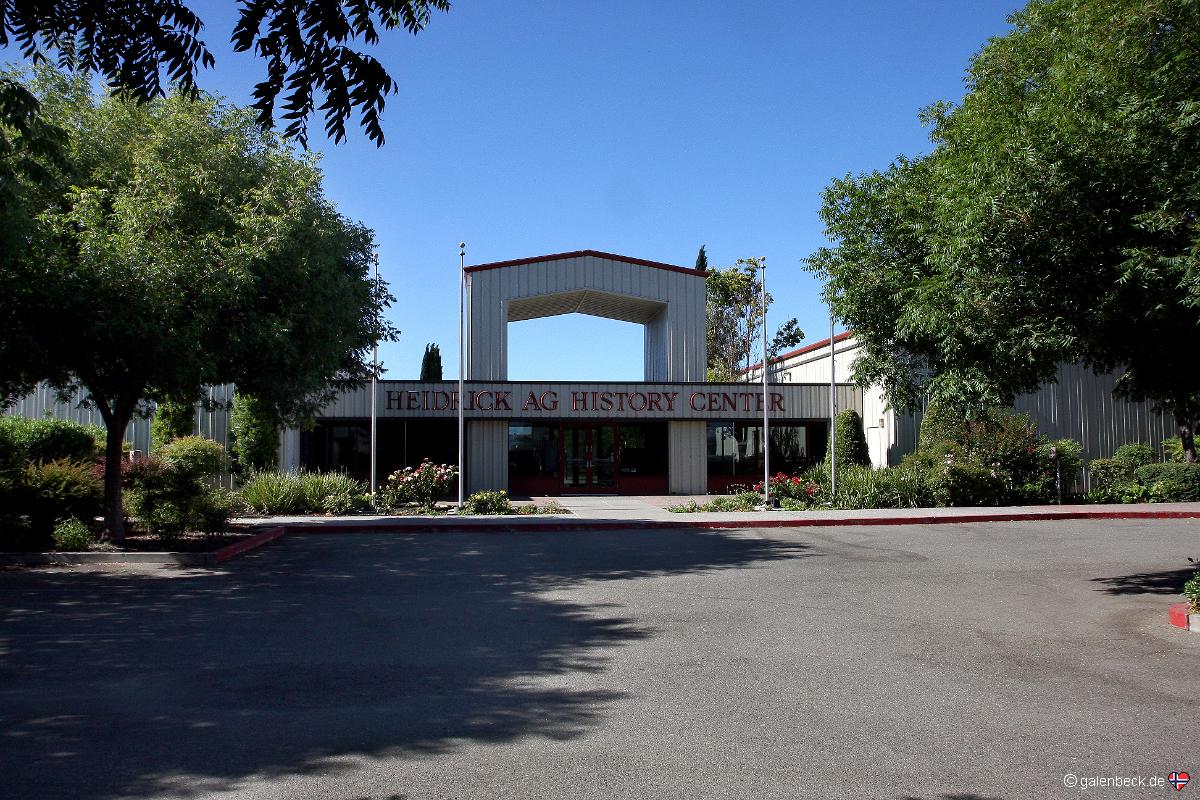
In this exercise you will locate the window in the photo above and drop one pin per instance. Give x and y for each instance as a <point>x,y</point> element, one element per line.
<point>532,451</point>
<point>735,448</point>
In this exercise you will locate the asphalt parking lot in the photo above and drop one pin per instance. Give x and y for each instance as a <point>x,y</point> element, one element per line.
<point>972,662</point>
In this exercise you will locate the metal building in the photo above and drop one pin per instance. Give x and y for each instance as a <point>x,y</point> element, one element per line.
<point>673,432</point>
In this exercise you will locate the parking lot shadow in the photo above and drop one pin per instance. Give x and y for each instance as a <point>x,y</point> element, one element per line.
<point>1168,581</point>
<point>319,652</point>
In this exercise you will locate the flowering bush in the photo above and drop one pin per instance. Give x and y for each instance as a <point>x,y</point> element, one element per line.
<point>423,485</point>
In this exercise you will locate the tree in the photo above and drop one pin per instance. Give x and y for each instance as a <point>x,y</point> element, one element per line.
<point>702,260</point>
<point>181,246</point>
<point>1054,221</point>
<point>851,440</point>
<point>172,419</point>
<point>306,45</point>
<point>735,318</point>
<point>431,364</point>
<point>253,435</point>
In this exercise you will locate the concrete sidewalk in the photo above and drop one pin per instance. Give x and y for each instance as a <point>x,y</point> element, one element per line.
<point>627,511</point>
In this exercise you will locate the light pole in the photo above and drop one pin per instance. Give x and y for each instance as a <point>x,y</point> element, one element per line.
<point>462,288</point>
<point>766,438</point>
<point>375,387</point>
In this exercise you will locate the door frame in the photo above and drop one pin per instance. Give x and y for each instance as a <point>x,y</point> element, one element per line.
<point>589,486</point>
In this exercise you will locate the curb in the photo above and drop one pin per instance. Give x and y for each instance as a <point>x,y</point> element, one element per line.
<point>256,541</point>
<point>1178,616</point>
<point>210,559</point>
<point>451,525</point>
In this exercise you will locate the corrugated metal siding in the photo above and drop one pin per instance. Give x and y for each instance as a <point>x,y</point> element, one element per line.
<point>591,285</point>
<point>487,456</point>
<point>1080,405</point>
<point>688,457</point>
<point>43,402</point>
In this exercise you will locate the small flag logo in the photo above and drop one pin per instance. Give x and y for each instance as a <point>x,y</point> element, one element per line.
<point>1178,780</point>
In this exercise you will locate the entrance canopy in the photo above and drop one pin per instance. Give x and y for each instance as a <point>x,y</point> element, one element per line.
<point>667,300</point>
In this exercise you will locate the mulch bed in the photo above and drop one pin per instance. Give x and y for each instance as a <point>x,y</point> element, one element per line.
<point>136,541</point>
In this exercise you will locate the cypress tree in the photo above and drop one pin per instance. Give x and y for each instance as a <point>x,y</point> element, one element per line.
<point>431,363</point>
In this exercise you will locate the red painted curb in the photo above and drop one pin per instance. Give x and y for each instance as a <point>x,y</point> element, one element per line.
<point>399,525</point>
<point>253,543</point>
<point>1178,615</point>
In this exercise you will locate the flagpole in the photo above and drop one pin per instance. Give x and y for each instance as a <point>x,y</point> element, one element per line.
<point>832,414</point>
<point>766,440</point>
<point>462,287</point>
<point>375,386</point>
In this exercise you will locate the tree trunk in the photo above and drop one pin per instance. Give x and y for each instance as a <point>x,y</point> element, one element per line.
<point>1186,426</point>
<point>115,423</point>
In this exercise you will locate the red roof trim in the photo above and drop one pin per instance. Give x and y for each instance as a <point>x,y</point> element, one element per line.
<point>580,253</point>
<point>841,337</point>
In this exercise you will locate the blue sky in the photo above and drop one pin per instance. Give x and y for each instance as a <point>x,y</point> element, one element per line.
<point>641,128</point>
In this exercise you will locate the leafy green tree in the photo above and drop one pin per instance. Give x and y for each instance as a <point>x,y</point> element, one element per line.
<point>171,420</point>
<point>253,435</point>
<point>181,246</point>
<point>1054,221</point>
<point>431,363</point>
<point>735,318</point>
<point>308,47</point>
<point>702,259</point>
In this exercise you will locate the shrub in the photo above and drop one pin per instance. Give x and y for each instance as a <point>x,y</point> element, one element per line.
<point>1106,474</point>
<point>746,501</point>
<point>487,503</point>
<point>172,420</point>
<point>24,441</point>
<point>423,485</point>
<point>851,440</point>
<point>329,492</point>
<point>1191,590</point>
<point>213,510</point>
<point>51,491</point>
<point>72,535</point>
<point>274,493</point>
<point>1134,455</point>
<point>194,457</point>
<point>1171,483</point>
<point>967,483</point>
<point>254,436</point>
<point>160,498</point>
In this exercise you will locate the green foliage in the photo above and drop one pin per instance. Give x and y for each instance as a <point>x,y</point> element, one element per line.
<point>851,440</point>
<point>304,493</point>
<point>1133,455</point>
<point>213,510</point>
<point>274,493</point>
<point>1191,590</point>
<point>735,316</point>
<point>1173,451</point>
<point>1051,222</point>
<point>423,485</point>
<point>72,535</point>
<point>254,436</point>
<point>194,457</point>
<point>25,440</point>
<point>50,491</point>
<point>487,503</point>
<point>745,501</point>
<point>134,49</point>
<point>1105,473</point>
<point>431,364</point>
<point>245,272</point>
<point>172,420</point>
<point>530,509</point>
<point>1171,483</point>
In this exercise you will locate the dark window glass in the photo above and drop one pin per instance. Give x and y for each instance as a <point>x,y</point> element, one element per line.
<point>644,449</point>
<point>735,448</point>
<point>532,451</point>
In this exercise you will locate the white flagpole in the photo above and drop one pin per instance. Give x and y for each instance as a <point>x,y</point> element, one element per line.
<point>375,390</point>
<point>766,440</point>
<point>832,413</point>
<point>462,288</point>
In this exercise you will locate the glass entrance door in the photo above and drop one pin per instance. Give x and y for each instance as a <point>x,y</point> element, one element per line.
<point>590,457</point>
